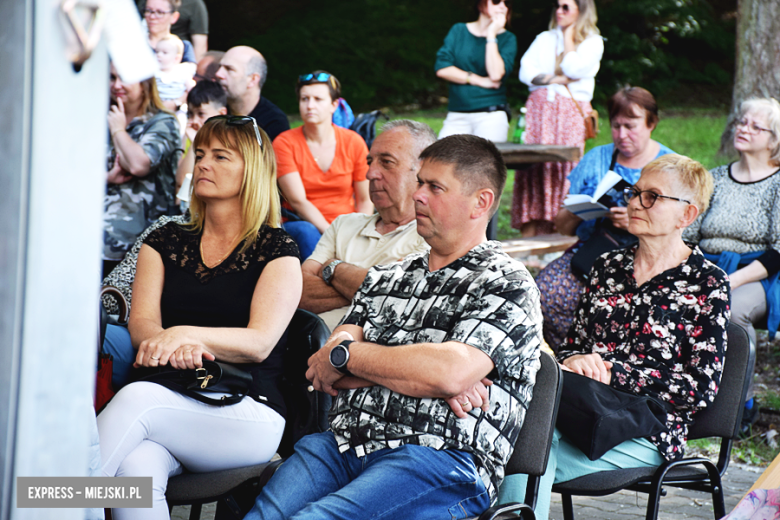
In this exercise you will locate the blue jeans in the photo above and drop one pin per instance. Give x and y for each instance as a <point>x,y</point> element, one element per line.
<point>117,343</point>
<point>319,483</point>
<point>305,235</point>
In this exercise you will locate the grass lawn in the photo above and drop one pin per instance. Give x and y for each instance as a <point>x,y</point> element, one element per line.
<point>692,132</point>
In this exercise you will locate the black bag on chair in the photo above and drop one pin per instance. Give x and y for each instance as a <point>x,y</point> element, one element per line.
<point>605,238</point>
<point>596,417</point>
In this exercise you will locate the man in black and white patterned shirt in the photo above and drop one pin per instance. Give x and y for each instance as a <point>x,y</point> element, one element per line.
<point>432,368</point>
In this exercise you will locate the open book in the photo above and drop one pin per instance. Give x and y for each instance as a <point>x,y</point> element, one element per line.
<point>608,193</point>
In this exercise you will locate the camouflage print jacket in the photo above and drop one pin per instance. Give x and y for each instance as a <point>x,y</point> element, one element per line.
<point>132,206</point>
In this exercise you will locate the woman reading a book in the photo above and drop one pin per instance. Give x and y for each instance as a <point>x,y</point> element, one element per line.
<point>633,115</point>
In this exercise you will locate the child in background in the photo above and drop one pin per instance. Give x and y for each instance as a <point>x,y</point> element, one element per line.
<point>205,100</point>
<point>174,78</point>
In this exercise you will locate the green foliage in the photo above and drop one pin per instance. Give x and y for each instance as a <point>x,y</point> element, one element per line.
<point>661,44</point>
<point>691,132</point>
<point>383,51</point>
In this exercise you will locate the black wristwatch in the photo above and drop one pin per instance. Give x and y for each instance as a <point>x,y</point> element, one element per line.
<point>339,357</point>
<point>329,270</point>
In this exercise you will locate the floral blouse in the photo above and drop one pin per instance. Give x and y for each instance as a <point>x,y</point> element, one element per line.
<point>666,339</point>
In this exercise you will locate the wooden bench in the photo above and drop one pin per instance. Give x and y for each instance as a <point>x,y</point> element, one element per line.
<point>538,245</point>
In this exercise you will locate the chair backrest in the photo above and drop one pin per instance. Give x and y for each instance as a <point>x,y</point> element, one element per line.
<point>722,417</point>
<point>532,448</point>
<point>307,409</point>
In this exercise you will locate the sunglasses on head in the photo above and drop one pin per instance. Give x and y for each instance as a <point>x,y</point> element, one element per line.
<point>322,76</point>
<point>240,121</point>
<point>507,3</point>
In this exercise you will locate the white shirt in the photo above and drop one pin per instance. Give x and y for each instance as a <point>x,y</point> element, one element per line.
<point>581,64</point>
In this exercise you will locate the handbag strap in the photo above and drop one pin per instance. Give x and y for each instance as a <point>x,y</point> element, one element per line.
<point>223,401</point>
<point>575,103</point>
<point>614,159</point>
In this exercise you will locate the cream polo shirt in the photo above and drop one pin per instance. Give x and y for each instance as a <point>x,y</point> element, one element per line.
<point>354,239</point>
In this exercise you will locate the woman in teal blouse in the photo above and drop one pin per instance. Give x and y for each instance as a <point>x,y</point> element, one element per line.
<point>476,59</point>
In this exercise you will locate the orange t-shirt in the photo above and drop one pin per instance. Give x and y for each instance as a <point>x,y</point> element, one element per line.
<point>331,192</point>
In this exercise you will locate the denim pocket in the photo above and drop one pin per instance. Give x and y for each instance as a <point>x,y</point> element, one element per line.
<point>472,506</point>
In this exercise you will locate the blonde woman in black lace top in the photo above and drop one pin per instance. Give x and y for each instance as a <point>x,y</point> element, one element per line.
<point>223,286</point>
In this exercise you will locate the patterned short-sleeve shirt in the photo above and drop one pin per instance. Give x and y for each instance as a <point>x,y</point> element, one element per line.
<point>484,299</point>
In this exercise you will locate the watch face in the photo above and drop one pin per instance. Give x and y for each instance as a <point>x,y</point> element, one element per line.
<point>338,356</point>
<point>327,273</point>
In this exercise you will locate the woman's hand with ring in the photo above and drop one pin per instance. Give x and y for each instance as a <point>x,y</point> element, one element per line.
<point>157,350</point>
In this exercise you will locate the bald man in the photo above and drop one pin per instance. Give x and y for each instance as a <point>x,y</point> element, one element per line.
<point>242,73</point>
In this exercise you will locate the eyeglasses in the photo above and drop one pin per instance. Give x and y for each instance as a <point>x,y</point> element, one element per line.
<point>751,127</point>
<point>507,3</point>
<point>240,121</point>
<point>647,198</point>
<point>151,13</point>
<point>564,7</point>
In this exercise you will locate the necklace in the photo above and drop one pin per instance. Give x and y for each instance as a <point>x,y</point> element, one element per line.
<point>310,143</point>
<point>203,258</point>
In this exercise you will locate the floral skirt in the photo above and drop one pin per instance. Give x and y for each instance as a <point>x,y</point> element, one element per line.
<point>540,188</point>
<point>560,292</point>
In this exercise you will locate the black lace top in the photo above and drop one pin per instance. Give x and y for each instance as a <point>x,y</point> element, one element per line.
<point>196,295</point>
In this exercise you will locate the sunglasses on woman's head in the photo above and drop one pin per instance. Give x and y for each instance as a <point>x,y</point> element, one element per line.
<point>507,3</point>
<point>241,121</point>
<point>322,76</point>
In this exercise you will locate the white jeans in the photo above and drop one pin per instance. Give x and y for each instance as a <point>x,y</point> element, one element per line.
<point>148,430</point>
<point>493,126</point>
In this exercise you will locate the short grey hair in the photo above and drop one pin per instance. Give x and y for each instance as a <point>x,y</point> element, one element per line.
<point>258,65</point>
<point>422,135</point>
<point>770,108</point>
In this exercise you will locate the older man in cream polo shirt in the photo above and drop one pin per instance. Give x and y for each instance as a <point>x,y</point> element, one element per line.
<point>355,242</point>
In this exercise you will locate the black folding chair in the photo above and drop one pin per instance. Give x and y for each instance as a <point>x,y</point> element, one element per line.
<point>234,490</point>
<point>532,448</point>
<point>720,419</point>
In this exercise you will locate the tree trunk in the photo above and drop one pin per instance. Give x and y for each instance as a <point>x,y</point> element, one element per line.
<point>757,71</point>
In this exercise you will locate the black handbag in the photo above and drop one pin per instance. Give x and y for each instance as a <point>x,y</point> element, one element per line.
<point>213,376</point>
<point>605,237</point>
<point>596,417</point>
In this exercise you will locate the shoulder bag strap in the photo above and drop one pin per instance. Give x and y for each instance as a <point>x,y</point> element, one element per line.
<point>575,102</point>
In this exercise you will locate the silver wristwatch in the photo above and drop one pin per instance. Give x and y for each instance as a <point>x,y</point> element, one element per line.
<point>329,270</point>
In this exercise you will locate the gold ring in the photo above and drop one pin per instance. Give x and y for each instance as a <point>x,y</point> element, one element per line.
<point>156,358</point>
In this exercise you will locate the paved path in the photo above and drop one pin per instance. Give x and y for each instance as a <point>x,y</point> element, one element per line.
<point>626,505</point>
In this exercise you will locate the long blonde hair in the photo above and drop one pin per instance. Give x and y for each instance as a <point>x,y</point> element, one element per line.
<point>260,204</point>
<point>586,21</point>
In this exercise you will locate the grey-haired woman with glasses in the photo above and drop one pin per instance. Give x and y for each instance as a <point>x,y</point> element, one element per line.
<point>223,287</point>
<point>741,230</point>
<point>322,167</point>
<point>652,322</point>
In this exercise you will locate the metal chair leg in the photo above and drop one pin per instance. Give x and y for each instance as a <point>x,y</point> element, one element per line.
<point>568,508</point>
<point>195,511</point>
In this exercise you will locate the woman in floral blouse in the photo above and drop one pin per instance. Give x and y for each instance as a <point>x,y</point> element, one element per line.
<point>651,322</point>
